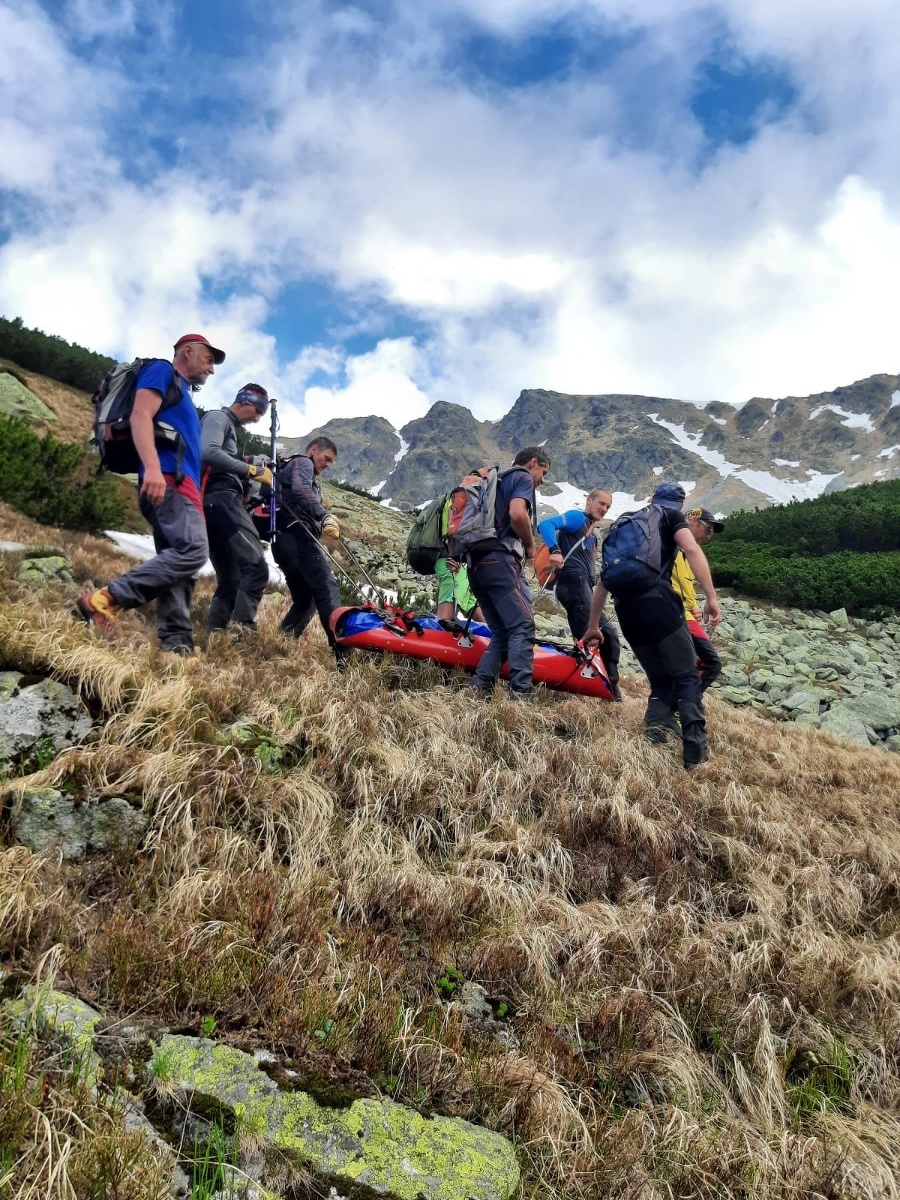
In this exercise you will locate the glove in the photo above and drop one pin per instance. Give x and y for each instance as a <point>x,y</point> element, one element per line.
<point>260,475</point>
<point>331,529</point>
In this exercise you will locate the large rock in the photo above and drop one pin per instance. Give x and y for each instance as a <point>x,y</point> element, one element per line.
<point>373,1148</point>
<point>46,820</point>
<point>841,720</point>
<point>880,710</point>
<point>17,400</point>
<point>38,570</point>
<point>46,714</point>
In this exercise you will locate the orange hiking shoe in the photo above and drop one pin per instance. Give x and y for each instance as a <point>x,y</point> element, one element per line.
<point>98,608</point>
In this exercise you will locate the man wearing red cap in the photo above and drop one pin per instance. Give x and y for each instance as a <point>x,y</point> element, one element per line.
<point>234,545</point>
<point>169,497</point>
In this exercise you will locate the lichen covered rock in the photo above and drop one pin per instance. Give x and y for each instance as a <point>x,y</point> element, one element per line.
<point>375,1147</point>
<point>46,712</point>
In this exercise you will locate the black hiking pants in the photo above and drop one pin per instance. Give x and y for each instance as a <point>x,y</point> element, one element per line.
<point>653,624</point>
<point>309,578</point>
<point>238,558</point>
<point>574,593</point>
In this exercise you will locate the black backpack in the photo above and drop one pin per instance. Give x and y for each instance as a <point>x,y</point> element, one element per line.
<point>113,405</point>
<point>632,554</point>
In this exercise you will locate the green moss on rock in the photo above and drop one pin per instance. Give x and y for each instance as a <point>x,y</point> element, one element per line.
<point>375,1147</point>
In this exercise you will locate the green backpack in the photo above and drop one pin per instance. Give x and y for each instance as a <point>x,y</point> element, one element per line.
<point>426,542</point>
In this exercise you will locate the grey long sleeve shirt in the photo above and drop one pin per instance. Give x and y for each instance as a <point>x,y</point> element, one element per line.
<point>219,451</point>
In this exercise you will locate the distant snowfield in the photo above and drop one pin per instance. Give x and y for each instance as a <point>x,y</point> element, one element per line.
<point>140,546</point>
<point>895,399</point>
<point>569,497</point>
<point>780,490</point>
<point>851,420</point>
<point>404,447</point>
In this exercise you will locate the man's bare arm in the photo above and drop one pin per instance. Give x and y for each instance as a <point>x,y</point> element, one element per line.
<point>147,404</point>
<point>520,519</point>
<point>598,601</point>
<point>697,560</point>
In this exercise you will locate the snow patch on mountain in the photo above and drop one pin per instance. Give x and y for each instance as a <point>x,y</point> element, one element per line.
<point>569,497</point>
<point>779,490</point>
<point>851,420</point>
<point>895,399</point>
<point>404,447</point>
<point>622,502</point>
<point>141,547</point>
<point>889,452</point>
<point>786,462</point>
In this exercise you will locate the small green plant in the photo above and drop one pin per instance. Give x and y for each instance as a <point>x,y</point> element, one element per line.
<point>207,1026</point>
<point>325,1030</point>
<point>211,1158</point>
<point>269,755</point>
<point>450,982</point>
<point>820,1082</point>
<point>44,752</point>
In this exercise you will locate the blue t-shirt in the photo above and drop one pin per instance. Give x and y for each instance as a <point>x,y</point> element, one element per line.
<point>518,483</point>
<point>182,416</point>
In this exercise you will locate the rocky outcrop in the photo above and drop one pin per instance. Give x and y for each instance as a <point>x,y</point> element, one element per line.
<point>48,821</point>
<point>38,718</point>
<point>45,565</point>
<point>735,456</point>
<point>825,670</point>
<point>17,400</point>
<point>372,1148</point>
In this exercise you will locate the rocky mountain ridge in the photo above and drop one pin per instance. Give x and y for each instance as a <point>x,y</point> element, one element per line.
<point>761,453</point>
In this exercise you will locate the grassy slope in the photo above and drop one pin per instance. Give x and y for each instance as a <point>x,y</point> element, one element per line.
<point>702,972</point>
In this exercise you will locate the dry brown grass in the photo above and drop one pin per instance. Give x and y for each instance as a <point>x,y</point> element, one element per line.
<point>699,974</point>
<point>74,414</point>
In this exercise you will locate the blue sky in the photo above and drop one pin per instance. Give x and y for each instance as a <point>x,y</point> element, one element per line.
<point>373,207</point>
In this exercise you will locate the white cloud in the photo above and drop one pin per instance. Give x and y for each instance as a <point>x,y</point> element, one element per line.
<point>378,383</point>
<point>567,234</point>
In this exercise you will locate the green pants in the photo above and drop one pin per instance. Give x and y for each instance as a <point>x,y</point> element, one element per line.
<point>454,588</point>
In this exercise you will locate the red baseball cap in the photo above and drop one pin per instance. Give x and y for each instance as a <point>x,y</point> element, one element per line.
<point>218,355</point>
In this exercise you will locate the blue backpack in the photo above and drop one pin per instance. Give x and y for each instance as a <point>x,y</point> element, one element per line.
<point>632,554</point>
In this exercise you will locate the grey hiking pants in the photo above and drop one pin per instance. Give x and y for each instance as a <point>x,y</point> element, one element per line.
<point>239,560</point>
<point>498,584</point>
<point>179,535</point>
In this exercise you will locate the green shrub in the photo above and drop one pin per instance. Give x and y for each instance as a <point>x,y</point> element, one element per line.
<point>844,580</point>
<point>55,482</point>
<point>865,519</point>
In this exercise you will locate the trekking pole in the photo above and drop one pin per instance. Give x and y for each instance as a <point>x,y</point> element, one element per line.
<point>354,583</point>
<point>273,430</point>
<point>379,591</point>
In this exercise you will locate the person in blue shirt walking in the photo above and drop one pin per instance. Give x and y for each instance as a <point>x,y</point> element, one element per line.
<point>573,545</point>
<point>170,499</point>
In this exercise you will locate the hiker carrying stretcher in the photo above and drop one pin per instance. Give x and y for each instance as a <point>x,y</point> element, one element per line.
<point>572,547</point>
<point>301,520</point>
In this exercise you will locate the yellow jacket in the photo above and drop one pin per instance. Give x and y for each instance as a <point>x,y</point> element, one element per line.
<point>684,583</point>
